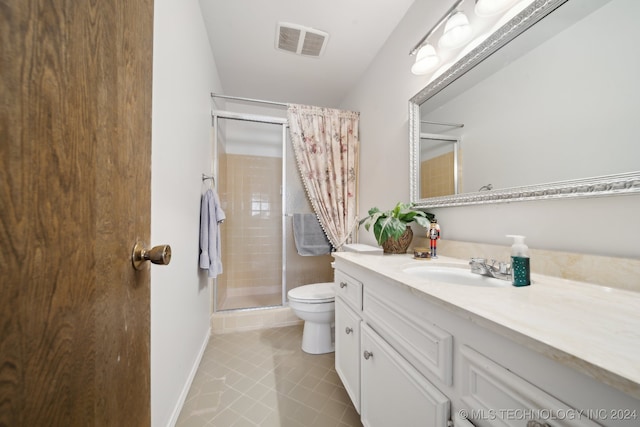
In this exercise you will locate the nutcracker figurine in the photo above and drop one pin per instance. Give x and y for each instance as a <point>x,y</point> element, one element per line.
<point>434,235</point>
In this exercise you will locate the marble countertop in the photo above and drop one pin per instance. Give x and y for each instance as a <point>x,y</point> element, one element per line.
<point>593,329</point>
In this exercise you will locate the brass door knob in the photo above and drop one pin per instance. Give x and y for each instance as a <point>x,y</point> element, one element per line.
<point>157,255</point>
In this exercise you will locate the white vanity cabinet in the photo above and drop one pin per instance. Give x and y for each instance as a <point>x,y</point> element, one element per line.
<point>384,387</point>
<point>407,360</point>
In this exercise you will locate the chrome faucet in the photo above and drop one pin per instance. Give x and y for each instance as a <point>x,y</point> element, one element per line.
<point>480,266</point>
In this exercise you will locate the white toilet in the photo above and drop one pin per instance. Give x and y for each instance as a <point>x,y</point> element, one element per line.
<point>315,304</point>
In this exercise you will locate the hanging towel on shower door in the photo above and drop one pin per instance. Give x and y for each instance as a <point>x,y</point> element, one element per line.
<point>309,236</point>
<point>211,216</point>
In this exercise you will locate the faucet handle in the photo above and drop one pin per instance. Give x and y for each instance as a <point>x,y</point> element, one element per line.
<point>504,268</point>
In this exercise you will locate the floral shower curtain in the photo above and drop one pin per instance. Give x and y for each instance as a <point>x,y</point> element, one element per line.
<point>325,142</point>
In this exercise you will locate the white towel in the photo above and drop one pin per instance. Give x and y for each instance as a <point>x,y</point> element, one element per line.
<point>211,216</point>
<point>309,236</point>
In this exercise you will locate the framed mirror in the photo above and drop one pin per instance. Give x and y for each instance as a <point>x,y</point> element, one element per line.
<point>544,108</point>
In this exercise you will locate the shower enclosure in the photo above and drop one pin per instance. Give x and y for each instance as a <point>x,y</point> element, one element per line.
<point>259,189</point>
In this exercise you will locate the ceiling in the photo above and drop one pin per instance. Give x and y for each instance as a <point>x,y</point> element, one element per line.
<point>242,34</point>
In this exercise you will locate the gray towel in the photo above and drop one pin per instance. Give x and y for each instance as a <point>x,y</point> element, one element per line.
<point>309,236</point>
<point>211,215</point>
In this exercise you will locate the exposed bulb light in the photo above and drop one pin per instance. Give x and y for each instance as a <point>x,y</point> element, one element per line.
<point>457,31</point>
<point>426,60</point>
<point>485,8</point>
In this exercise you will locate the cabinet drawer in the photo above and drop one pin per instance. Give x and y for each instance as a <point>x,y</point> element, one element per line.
<point>496,396</point>
<point>423,344</point>
<point>348,350</point>
<point>349,289</point>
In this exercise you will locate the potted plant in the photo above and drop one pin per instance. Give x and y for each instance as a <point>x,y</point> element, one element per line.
<point>391,228</point>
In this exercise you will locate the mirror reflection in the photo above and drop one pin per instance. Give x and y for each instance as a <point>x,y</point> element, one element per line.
<point>439,165</point>
<point>557,103</point>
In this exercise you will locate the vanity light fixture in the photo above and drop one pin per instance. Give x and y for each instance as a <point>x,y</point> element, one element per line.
<point>457,32</point>
<point>427,59</point>
<point>485,8</point>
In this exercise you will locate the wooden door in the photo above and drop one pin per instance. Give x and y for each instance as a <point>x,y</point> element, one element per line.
<point>75,137</point>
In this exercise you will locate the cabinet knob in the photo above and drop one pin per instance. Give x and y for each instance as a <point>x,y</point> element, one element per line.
<point>367,354</point>
<point>343,284</point>
<point>348,330</point>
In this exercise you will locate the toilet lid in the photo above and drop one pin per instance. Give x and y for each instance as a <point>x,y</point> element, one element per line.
<point>315,293</point>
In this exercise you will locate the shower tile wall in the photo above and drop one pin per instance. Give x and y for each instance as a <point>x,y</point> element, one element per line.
<point>252,247</point>
<point>250,193</point>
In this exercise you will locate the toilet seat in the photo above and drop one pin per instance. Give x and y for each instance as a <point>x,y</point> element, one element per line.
<point>316,293</point>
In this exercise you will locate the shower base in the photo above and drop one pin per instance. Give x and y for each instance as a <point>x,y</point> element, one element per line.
<point>223,322</point>
<point>251,301</point>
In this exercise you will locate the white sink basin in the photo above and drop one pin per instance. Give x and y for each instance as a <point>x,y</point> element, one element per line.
<point>454,276</point>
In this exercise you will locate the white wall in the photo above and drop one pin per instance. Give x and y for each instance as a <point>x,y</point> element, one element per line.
<point>184,74</point>
<point>605,226</point>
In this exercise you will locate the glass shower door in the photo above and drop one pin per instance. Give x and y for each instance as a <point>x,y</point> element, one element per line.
<point>250,177</point>
<point>260,189</point>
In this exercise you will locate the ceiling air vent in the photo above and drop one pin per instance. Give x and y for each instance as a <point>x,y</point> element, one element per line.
<point>300,40</point>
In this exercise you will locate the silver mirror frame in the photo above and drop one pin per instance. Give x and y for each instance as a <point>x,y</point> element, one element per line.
<point>615,184</point>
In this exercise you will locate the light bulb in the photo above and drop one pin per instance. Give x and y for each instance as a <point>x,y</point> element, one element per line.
<point>426,60</point>
<point>457,32</point>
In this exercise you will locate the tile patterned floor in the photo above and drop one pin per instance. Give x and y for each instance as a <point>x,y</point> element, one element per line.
<point>263,378</point>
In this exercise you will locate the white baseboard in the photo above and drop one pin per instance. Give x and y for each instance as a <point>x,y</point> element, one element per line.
<point>187,386</point>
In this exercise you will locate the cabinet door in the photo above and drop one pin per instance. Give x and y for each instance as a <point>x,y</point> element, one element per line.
<point>393,392</point>
<point>348,350</point>
<point>495,396</point>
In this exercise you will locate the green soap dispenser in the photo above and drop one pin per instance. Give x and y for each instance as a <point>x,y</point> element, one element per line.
<point>520,268</point>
